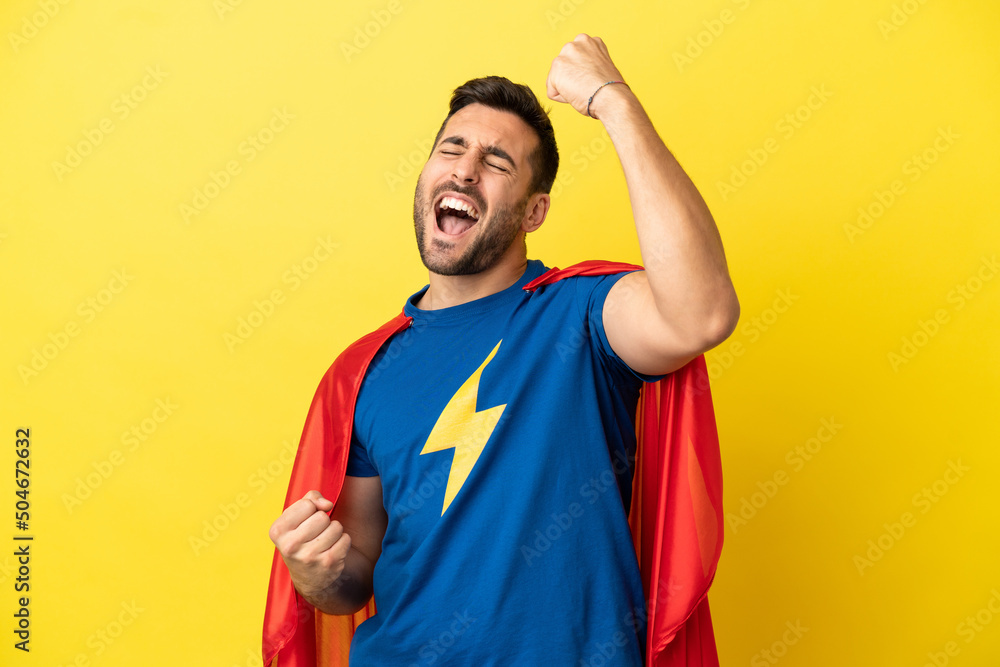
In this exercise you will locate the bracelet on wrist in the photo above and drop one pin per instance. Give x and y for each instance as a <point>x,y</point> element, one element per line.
<point>607,83</point>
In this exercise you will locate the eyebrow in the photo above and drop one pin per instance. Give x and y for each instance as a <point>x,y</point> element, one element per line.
<point>489,150</point>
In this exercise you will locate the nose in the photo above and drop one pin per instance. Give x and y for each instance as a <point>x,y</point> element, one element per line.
<point>466,168</point>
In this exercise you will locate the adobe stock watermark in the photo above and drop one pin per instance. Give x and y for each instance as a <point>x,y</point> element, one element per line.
<point>720,359</point>
<point>574,338</point>
<point>294,277</point>
<point>434,649</point>
<point>779,648</point>
<point>230,511</point>
<point>913,167</point>
<point>786,126</point>
<point>957,297</point>
<point>558,524</point>
<point>797,457</point>
<point>901,14</point>
<point>121,108</point>
<point>131,440</point>
<point>300,614</point>
<point>59,340</point>
<point>923,500</point>
<point>7,569</point>
<point>606,651</point>
<point>252,659</point>
<point>248,150</point>
<point>224,7</point>
<point>107,635</point>
<point>430,484</point>
<point>397,346</point>
<point>703,39</point>
<point>364,34</point>
<point>631,625</point>
<point>724,357</point>
<point>967,629</point>
<point>409,164</point>
<point>30,25</point>
<point>582,157</point>
<point>561,12</point>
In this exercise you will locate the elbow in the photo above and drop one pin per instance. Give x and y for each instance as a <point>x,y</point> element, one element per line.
<point>726,319</point>
<point>718,325</point>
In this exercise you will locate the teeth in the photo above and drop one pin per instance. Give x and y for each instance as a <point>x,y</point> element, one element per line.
<point>459,205</point>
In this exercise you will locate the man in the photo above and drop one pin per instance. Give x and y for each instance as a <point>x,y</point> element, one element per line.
<point>485,502</point>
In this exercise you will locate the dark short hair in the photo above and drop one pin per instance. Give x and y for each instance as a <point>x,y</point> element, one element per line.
<point>501,93</point>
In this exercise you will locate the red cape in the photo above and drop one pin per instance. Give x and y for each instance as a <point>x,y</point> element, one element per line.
<point>676,514</point>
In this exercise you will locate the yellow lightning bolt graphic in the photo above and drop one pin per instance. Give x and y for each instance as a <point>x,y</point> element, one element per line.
<point>462,428</point>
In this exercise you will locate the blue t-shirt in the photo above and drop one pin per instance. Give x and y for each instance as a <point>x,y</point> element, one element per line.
<point>503,433</point>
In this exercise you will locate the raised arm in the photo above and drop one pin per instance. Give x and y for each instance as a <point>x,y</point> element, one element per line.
<point>331,559</point>
<point>684,303</point>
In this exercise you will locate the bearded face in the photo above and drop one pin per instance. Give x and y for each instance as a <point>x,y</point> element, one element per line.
<point>472,197</point>
<point>491,231</point>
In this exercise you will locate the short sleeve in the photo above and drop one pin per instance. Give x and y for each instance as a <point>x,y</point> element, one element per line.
<point>593,292</point>
<point>358,462</point>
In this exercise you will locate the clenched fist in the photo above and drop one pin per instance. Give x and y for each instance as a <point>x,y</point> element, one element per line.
<point>313,546</point>
<point>578,71</point>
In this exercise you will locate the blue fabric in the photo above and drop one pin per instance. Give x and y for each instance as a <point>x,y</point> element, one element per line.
<point>532,561</point>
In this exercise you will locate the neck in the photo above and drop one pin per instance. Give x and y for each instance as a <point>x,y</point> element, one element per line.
<point>447,291</point>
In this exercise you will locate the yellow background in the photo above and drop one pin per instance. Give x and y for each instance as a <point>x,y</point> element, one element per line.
<point>343,120</point>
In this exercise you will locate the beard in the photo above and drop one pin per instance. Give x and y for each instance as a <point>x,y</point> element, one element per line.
<point>499,230</point>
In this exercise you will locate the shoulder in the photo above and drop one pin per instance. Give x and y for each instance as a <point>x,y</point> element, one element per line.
<point>595,267</point>
<point>355,358</point>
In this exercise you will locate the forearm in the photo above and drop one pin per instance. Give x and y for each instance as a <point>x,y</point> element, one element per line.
<point>348,593</point>
<point>679,241</point>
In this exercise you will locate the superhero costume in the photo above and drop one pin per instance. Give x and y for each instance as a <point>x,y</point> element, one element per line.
<point>676,503</point>
<point>502,431</point>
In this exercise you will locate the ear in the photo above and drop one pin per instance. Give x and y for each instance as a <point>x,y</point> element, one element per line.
<point>535,212</point>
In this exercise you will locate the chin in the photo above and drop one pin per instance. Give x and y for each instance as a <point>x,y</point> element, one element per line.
<point>462,265</point>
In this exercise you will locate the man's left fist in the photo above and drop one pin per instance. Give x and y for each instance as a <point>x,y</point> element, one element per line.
<point>579,70</point>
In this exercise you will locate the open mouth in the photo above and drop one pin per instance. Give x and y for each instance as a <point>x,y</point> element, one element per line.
<point>455,216</point>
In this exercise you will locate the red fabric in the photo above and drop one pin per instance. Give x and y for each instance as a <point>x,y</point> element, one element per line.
<point>676,513</point>
<point>289,621</point>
